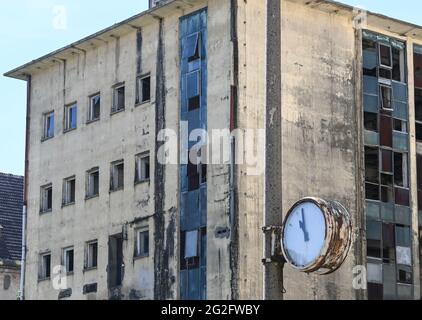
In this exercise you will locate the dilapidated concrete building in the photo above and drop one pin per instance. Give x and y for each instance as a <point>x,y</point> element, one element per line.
<point>337,92</point>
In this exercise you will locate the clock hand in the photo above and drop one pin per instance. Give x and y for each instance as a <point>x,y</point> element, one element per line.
<point>302,225</point>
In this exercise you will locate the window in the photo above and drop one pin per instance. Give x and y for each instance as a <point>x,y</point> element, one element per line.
<point>143,89</point>
<point>142,243</point>
<point>91,254</point>
<point>69,190</point>
<point>142,167</point>
<point>45,266</point>
<point>400,125</point>
<point>118,98</point>
<point>48,125</point>
<point>385,56</point>
<point>191,244</point>
<point>94,107</point>
<point>70,117</point>
<point>400,170</point>
<point>192,47</point>
<point>6,282</point>
<point>117,176</point>
<point>386,97</point>
<point>371,121</point>
<point>193,84</point>
<point>93,183</point>
<point>68,262</point>
<point>46,198</point>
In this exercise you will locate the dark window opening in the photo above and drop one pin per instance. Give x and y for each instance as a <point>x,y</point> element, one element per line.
<point>68,260</point>
<point>387,194</point>
<point>418,70</point>
<point>371,165</point>
<point>192,47</point>
<point>371,121</point>
<point>388,241</point>
<point>405,274</point>
<point>117,176</point>
<point>386,161</point>
<point>419,132</point>
<point>93,183</point>
<point>375,291</point>
<point>398,65</point>
<point>142,167</point>
<point>94,108</point>
<point>143,89</point>
<point>142,243</point>
<point>45,266</point>
<point>418,104</point>
<point>69,190</point>
<point>385,73</point>
<point>91,255</point>
<point>46,198</point>
<point>372,191</point>
<point>400,125</point>
<point>386,131</point>
<point>118,99</point>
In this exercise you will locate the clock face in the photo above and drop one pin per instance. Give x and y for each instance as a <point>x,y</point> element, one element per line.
<point>304,234</point>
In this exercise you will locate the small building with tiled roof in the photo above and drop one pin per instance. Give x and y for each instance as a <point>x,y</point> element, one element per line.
<point>11,203</point>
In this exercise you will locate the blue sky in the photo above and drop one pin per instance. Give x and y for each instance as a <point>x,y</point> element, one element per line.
<point>32,28</point>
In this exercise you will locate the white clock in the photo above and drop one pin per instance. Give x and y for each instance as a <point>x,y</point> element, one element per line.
<point>316,235</point>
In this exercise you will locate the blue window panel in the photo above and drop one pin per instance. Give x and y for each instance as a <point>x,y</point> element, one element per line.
<point>403,215</point>
<point>50,126</point>
<point>400,110</point>
<point>420,218</point>
<point>203,190</point>
<point>400,141</point>
<point>373,210</point>
<point>193,84</point>
<point>387,212</point>
<point>193,24</point>
<point>370,103</point>
<point>184,180</point>
<point>403,238</point>
<point>203,283</point>
<point>389,281</point>
<point>184,284</point>
<point>192,219</point>
<point>370,85</point>
<point>184,208</point>
<point>190,45</point>
<point>371,138</point>
<point>370,59</point>
<point>194,292</point>
<point>399,91</point>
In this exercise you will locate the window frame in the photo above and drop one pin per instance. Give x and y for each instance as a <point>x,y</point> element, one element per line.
<point>42,271</point>
<point>139,93</point>
<point>47,116</point>
<point>67,124</point>
<point>89,173</point>
<point>89,265</point>
<point>112,176</point>
<point>114,108</point>
<point>64,259</point>
<point>91,108</point>
<point>140,175</point>
<point>140,242</point>
<point>66,197</point>
<point>43,199</point>
<point>380,58</point>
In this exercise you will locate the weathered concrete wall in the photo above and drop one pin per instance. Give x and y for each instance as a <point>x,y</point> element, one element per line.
<point>251,31</point>
<point>318,128</point>
<point>9,289</point>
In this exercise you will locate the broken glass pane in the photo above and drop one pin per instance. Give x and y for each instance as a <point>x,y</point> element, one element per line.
<point>385,55</point>
<point>371,121</point>
<point>372,191</point>
<point>191,47</point>
<point>371,165</point>
<point>387,161</point>
<point>386,180</point>
<point>387,194</point>
<point>400,170</point>
<point>398,61</point>
<point>386,95</point>
<point>402,197</point>
<point>405,274</point>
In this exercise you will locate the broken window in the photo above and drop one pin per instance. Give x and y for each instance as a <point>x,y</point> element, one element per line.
<point>142,242</point>
<point>398,65</point>
<point>405,274</point>
<point>45,266</point>
<point>94,110</point>
<point>371,164</point>
<point>93,183</point>
<point>193,84</point>
<point>142,167</point>
<point>91,255</point>
<point>372,191</point>
<point>143,89</point>
<point>69,190</point>
<point>386,161</point>
<point>68,255</point>
<point>118,98</point>
<point>388,243</point>
<point>418,105</point>
<point>385,56</point>
<point>400,125</point>
<point>386,97</point>
<point>48,125</point>
<point>117,176</point>
<point>419,132</point>
<point>70,117</point>
<point>46,198</point>
<point>371,121</point>
<point>400,170</point>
